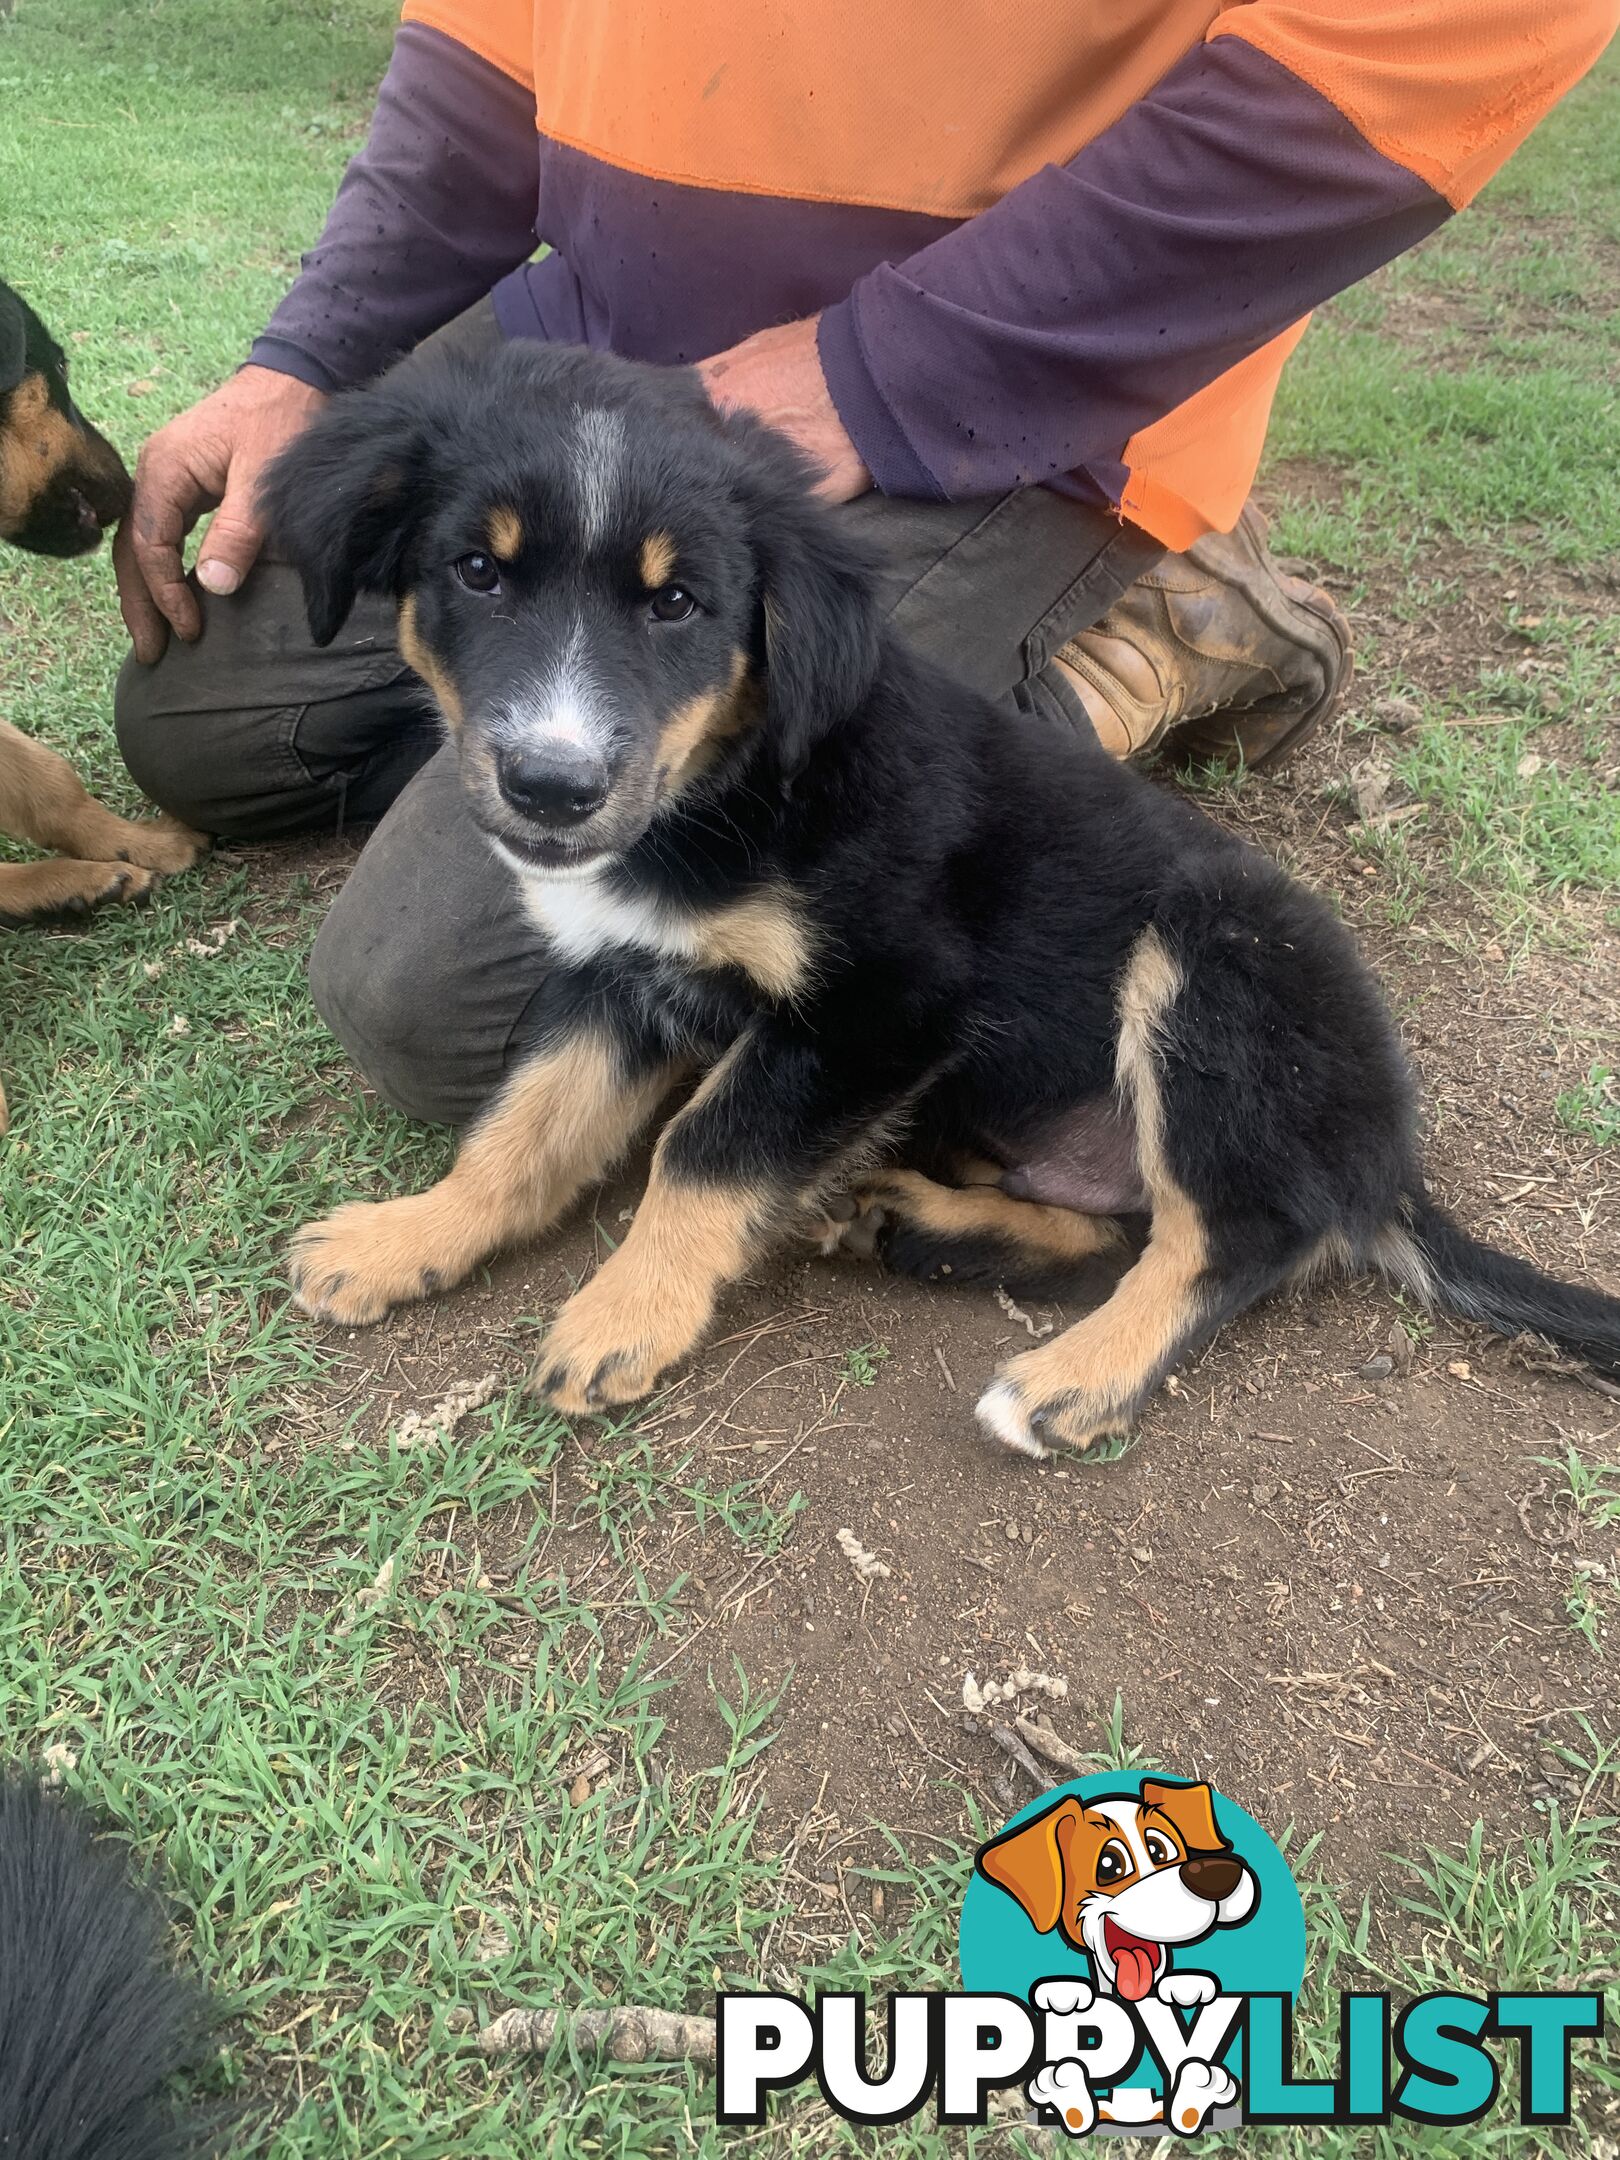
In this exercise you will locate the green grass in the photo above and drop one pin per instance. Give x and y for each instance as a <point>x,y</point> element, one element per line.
<point>1592,1107</point>
<point>362,1798</point>
<point>1501,428</point>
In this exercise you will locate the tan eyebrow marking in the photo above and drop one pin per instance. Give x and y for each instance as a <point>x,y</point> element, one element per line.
<point>505,529</point>
<point>657,560</point>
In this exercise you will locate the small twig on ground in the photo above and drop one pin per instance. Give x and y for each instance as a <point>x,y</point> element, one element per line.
<point>628,2033</point>
<point>1010,1744</point>
<point>1046,1742</point>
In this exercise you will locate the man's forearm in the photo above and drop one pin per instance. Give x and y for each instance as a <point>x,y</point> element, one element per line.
<point>437,208</point>
<point>1097,297</point>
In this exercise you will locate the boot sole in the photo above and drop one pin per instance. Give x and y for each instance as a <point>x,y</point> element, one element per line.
<point>1312,600</point>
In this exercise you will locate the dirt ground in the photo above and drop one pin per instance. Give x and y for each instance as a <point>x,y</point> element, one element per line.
<point>1330,1574</point>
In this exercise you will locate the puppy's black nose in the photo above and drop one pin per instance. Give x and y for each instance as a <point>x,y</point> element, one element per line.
<point>1211,1875</point>
<point>560,785</point>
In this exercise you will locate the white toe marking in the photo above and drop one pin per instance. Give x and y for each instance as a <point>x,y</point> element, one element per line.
<point>1000,1413</point>
<point>1187,1990</point>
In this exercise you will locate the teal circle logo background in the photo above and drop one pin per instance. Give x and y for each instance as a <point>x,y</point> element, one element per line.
<point>1001,1953</point>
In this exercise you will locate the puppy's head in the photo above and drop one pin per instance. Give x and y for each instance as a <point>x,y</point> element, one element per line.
<point>61,482</point>
<point>1125,1877</point>
<point>612,592</point>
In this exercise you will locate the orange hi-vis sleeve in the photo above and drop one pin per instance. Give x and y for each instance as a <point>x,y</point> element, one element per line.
<point>1447,88</point>
<point>1048,241</point>
<point>499,31</point>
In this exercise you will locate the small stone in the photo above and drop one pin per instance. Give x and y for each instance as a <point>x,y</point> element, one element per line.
<point>458,2019</point>
<point>1263,1495</point>
<point>1378,1368</point>
<point>1013,1533</point>
<point>1460,1369</point>
<point>580,1791</point>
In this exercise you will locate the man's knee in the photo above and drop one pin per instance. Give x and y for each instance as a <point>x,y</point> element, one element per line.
<point>176,757</point>
<point>367,984</point>
<point>427,969</point>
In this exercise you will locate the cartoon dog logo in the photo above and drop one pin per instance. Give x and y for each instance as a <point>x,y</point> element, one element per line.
<point>1129,1879</point>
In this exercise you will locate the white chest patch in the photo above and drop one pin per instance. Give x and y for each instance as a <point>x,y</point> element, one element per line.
<point>761,933</point>
<point>583,917</point>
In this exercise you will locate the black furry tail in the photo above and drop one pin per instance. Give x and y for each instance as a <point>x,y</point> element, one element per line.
<point>93,2019</point>
<point>1441,1265</point>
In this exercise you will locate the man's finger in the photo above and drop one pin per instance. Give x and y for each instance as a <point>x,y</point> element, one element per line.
<point>157,526</point>
<point>148,632</point>
<point>232,542</point>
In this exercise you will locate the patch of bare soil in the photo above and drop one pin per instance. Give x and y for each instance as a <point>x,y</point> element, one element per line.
<point>1331,1574</point>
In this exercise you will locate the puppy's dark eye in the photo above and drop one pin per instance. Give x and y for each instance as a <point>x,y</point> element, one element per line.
<point>1159,1849</point>
<point>478,573</point>
<point>673,604</point>
<point>1113,1863</point>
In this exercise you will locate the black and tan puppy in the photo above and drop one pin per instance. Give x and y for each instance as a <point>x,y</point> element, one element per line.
<point>62,486</point>
<point>895,933</point>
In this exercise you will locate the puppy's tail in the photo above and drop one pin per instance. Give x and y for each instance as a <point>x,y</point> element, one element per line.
<point>93,2019</point>
<point>1442,1266</point>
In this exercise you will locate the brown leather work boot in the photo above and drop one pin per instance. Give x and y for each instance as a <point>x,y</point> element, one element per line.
<point>1214,654</point>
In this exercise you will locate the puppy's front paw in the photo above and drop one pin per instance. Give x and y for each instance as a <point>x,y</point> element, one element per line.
<point>1027,1413</point>
<point>1200,2088</point>
<point>605,1349</point>
<point>162,844</point>
<point>65,886</point>
<point>353,1266</point>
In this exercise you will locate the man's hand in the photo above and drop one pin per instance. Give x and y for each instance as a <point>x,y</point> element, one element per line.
<point>776,375</point>
<point>213,454</point>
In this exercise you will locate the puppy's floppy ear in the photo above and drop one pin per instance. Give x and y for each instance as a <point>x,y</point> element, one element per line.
<point>343,502</point>
<point>1028,1863</point>
<point>821,631</point>
<point>13,342</point>
<point>1191,1811</point>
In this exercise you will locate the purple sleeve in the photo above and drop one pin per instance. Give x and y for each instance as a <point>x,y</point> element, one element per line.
<point>1039,336</point>
<point>437,207</point>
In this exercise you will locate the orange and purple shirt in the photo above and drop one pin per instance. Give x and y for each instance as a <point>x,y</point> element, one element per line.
<point>1068,242</point>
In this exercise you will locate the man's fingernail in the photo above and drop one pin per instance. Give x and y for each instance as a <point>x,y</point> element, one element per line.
<point>218,577</point>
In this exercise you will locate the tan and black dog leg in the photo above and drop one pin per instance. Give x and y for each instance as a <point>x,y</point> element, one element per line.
<point>970,1233</point>
<point>1095,1377</point>
<point>772,1123</point>
<point>559,1124</point>
<point>650,1303</point>
<point>43,799</point>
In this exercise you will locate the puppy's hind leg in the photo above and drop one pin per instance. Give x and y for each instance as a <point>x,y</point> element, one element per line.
<point>1196,1271</point>
<point>974,1233</point>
